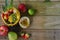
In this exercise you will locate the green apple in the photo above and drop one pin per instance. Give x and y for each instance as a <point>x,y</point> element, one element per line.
<point>31,11</point>
<point>12,36</point>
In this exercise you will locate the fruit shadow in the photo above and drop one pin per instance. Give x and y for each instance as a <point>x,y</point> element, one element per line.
<point>27,14</point>
<point>30,16</point>
<point>16,28</point>
<point>27,8</point>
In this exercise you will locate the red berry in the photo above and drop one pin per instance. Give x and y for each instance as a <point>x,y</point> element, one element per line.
<point>11,11</point>
<point>6,16</point>
<point>2,15</point>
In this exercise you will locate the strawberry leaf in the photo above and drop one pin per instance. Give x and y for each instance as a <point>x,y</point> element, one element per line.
<point>6,2</point>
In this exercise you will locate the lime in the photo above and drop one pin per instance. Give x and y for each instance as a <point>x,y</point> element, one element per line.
<point>31,11</point>
<point>12,36</point>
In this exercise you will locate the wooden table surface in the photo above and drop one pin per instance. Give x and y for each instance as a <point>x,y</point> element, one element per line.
<point>46,22</point>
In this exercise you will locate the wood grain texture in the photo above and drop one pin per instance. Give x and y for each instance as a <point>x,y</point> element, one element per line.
<point>47,9</point>
<point>41,34</point>
<point>57,34</point>
<point>45,25</point>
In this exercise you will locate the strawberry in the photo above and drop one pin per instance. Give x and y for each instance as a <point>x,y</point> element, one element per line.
<point>2,15</point>
<point>25,35</point>
<point>10,11</point>
<point>6,16</point>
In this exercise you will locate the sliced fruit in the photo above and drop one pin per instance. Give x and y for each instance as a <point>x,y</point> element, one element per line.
<point>24,22</point>
<point>14,19</point>
<point>6,16</point>
<point>22,34</point>
<point>12,36</point>
<point>6,12</point>
<point>25,35</point>
<point>2,15</point>
<point>10,19</point>
<point>11,11</point>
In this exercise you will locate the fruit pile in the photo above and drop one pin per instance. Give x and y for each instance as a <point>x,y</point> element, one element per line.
<point>10,16</point>
<point>15,21</point>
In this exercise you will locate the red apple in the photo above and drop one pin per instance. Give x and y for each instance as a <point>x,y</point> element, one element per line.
<point>22,7</point>
<point>3,30</point>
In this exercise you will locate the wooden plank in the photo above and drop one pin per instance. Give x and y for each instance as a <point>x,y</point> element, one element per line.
<point>24,0</point>
<point>45,22</point>
<point>47,17</point>
<point>52,22</point>
<point>57,34</point>
<point>42,35</point>
<point>31,0</point>
<point>3,38</point>
<point>37,22</point>
<point>50,8</point>
<point>55,0</point>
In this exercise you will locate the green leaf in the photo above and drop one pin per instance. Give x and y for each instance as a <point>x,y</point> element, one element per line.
<point>8,6</point>
<point>6,2</point>
<point>11,3</point>
<point>3,7</point>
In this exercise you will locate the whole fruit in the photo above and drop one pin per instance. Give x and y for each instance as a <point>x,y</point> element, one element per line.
<point>12,36</point>
<point>31,11</point>
<point>3,30</point>
<point>22,7</point>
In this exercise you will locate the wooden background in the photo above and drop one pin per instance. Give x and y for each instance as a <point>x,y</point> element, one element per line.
<point>46,22</point>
